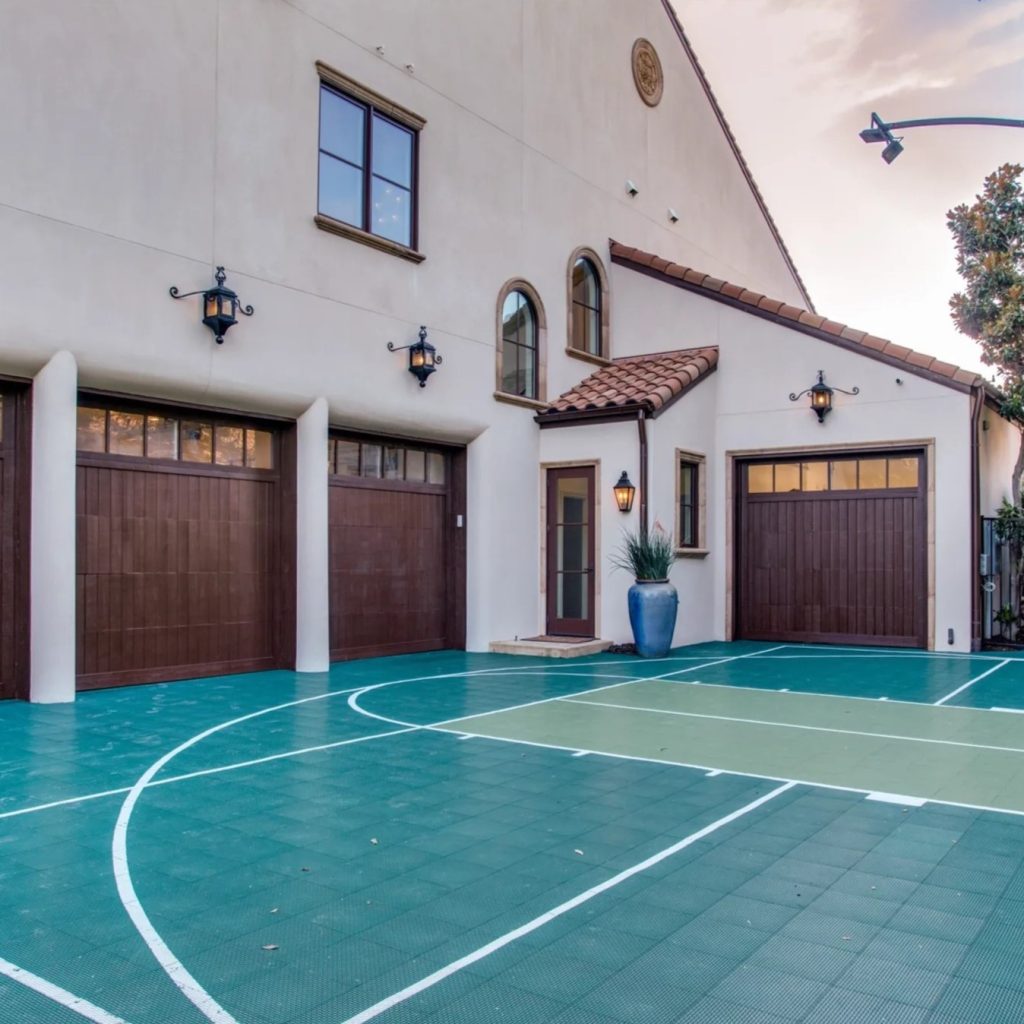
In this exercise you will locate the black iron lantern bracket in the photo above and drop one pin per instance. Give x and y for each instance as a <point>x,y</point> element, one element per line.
<point>221,305</point>
<point>423,357</point>
<point>821,396</point>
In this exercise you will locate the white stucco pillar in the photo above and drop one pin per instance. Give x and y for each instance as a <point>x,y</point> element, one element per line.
<point>312,625</point>
<point>52,534</point>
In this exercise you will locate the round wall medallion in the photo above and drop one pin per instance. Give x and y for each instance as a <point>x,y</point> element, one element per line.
<point>647,74</point>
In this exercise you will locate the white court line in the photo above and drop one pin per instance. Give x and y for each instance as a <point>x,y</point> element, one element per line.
<point>976,679</point>
<point>446,972</point>
<point>897,798</point>
<point>893,652</point>
<point>794,725</point>
<point>59,995</point>
<point>1010,711</point>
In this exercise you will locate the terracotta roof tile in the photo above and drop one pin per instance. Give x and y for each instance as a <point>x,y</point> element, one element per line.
<point>649,381</point>
<point>783,311</point>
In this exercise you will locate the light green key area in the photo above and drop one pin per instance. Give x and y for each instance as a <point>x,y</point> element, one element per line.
<point>951,754</point>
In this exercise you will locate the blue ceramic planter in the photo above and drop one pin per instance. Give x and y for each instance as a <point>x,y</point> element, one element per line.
<point>652,614</point>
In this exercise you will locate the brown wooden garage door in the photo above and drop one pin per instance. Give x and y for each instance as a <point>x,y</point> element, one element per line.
<point>179,546</point>
<point>13,547</point>
<point>833,550</point>
<point>396,549</point>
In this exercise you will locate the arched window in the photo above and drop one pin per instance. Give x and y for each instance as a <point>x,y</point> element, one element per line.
<point>588,313</point>
<point>520,342</point>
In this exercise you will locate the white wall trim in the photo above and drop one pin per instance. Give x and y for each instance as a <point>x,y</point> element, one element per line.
<point>312,580</point>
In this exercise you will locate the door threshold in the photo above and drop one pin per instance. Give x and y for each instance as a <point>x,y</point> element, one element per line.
<point>551,646</point>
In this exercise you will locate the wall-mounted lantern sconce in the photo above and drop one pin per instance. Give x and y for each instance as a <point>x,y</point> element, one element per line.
<point>220,306</point>
<point>624,493</point>
<point>423,357</point>
<point>821,396</point>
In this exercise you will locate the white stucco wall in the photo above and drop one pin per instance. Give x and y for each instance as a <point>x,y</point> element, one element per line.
<point>150,142</point>
<point>999,442</point>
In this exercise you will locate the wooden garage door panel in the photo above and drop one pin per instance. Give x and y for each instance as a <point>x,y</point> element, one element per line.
<point>13,554</point>
<point>389,571</point>
<point>176,574</point>
<point>7,579</point>
<point>834,567</point>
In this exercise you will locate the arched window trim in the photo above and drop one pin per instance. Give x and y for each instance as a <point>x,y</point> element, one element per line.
<point>584,252</point>
<point>521,285</point>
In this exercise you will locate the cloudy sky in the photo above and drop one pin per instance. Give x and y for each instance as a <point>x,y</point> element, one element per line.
<point>798,79</point>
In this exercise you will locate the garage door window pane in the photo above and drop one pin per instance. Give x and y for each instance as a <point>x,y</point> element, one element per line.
<point>815,476</point>
<point>872,474</point>
<point>394,463</point>
<point>759,479</point>
<point>229,450</point>
<point>259,452</point>
<point>415,466</point>
<point>346,459</point>
<point>787,477</point>
<point>903,472</point>
<point>844,475</point>
<point>92,430</point>
<point>435,468</point>
<point>371,460</point>
<point>126,433</point>
<point>161,437</point>
<point>196,442</point>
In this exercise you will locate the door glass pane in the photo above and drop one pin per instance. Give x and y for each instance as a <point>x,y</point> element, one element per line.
<point>787,477</point>
<point>844,475</point>
<point>435,468</point>
<point>347,458</point>
<point>572,548</point>
<point>392,152</point>
<point>371,460</point>
<point>161,437</point>
<point>341,191</point>
<point>196,442</point>
<point>259,449</point>
<point>394,463</point>
<point>759,479</point>
<point>903,472</point>
<point>415,466</point>
<point>342,124</point>
<point>92,429</point>
<point>814,476</point>
<point>230,449</point>
<point>872,474</point>
<point>392,212</point>
<point>126,433</point>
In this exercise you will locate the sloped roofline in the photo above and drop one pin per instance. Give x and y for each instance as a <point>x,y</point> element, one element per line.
<point>734,146</point>
<point>794,318</point>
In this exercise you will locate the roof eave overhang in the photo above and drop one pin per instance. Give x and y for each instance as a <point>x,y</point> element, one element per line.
<point>793,325</point>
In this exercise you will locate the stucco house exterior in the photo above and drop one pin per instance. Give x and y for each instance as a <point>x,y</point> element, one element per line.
<point>552,191</point>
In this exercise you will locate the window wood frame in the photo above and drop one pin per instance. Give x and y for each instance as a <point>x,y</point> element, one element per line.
<point>517,284</point>
<point>697,460</point>
<point>602,358</point>
<point>374,104</point>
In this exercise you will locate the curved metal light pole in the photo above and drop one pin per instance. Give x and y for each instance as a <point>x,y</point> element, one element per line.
<point>882,131</point>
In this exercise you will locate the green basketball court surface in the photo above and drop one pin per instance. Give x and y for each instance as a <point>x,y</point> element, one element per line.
<point>736,834</point>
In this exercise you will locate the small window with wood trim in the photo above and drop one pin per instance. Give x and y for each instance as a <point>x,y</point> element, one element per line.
<point>158,435</point>
<point>588,306</point>
<point>368,165</point>
<point>691,503</point>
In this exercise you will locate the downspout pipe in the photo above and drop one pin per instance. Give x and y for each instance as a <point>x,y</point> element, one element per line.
<point>641,423</point>
<point>977,407</point>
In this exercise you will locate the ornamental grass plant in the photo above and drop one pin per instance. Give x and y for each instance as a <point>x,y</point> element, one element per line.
<point>647,555</point>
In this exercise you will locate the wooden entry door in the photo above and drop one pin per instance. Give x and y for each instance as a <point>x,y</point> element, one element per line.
<point>833,549</point>
<point>570,551</point>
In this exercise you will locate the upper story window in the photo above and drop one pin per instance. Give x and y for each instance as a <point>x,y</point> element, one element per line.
<point>588,302</point>
<point>368,166</point>
<point>520,345</point>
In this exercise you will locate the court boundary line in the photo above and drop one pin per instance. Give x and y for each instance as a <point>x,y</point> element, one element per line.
<point>397,998</point>
<point>795,725</point>
<point>971,682</point>
<point>84,1008</point>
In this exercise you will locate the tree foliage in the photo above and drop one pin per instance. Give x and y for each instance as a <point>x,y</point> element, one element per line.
<point>989,239</point>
